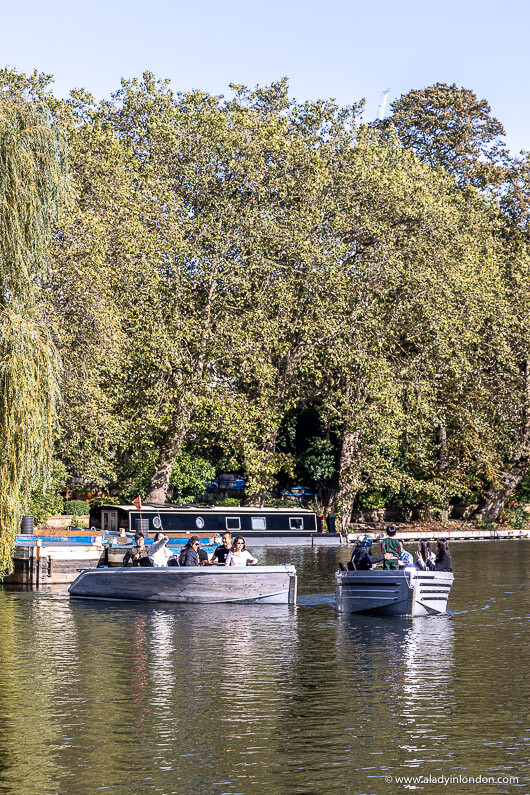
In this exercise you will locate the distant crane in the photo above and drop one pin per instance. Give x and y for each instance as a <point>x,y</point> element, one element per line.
<point>382,104</point>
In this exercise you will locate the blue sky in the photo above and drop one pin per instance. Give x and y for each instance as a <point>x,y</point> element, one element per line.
<point>347,50</point>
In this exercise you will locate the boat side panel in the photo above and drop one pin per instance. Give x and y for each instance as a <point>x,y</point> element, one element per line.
<point>181,585</point>
<point>406,592</point>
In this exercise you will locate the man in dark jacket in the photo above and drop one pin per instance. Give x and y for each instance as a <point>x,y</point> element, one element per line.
<point>137,556</point>
<point>188,556</point>
<point>362,558</point>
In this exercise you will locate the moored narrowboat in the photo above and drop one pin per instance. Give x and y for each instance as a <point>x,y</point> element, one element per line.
<point>204,520</point>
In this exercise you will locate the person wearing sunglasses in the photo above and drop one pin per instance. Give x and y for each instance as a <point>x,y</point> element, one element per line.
<point>238,555</point>
<point>189,556</point>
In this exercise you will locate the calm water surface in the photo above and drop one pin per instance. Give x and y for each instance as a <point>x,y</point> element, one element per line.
<point>263,699</point>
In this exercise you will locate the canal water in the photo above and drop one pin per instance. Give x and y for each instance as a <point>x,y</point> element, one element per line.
<point>138,698</point>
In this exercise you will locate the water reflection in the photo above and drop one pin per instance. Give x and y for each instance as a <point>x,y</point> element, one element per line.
<point>403,670</point>
<point>226,698</point>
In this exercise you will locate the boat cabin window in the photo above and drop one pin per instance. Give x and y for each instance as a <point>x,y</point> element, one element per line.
<point>258,523</point>
<point>233,523</point>
<point>296,523</point>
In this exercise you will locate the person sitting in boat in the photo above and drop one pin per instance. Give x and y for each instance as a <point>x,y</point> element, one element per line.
<point>221,552</point>
<point>158,552</point>
<point>391,548</point>
<point>203,556</point>
<point>405,560</point>
<point>138,554</point>
<point>425,557</point>
<point>238,555</point>
<point>442,561</point>
<point>189,556</point>
<point>361,557</point>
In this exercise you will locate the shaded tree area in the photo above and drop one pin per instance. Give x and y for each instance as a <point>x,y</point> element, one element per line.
<point>259,285</point>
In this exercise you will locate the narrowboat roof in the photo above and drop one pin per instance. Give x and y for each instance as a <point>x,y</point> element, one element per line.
<point>205,508</point>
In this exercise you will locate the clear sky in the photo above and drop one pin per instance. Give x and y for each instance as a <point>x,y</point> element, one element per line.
<point>345,49</point>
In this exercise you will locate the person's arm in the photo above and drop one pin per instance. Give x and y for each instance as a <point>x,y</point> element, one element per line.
<point>229,558</point>
<point>156,546</point>
<point>250,558</point>
<point>373,560</point>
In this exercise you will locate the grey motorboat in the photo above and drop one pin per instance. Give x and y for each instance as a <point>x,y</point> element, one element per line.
<point>405,592</point>
<point>205,585</point>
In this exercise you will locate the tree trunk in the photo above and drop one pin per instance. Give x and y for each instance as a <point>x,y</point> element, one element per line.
<point>493,503</point>
<point>159,483</point>
<point>176,433</point>
<point>348,487</point>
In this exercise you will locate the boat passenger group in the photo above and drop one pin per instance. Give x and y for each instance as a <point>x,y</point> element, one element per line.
<point>229,553</point>
<point>394,555</point>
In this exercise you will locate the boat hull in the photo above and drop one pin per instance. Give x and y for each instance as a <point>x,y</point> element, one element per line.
<point>200,585</point>
<point>406,592</point>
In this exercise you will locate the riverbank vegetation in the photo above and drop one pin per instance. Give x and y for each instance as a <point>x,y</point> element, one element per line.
<point>32,185</point>
<point>268,287</point>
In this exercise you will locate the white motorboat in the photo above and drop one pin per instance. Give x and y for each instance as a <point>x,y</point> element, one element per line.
<point>199,584</point>
<point>405,592</point>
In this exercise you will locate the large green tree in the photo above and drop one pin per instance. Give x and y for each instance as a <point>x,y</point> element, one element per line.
<point>32,180</point>
<point>449,127</point>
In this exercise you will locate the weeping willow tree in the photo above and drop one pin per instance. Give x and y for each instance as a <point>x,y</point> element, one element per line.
<point>32,183</point>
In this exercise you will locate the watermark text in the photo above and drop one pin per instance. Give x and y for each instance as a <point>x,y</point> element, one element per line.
<point>453,779</point>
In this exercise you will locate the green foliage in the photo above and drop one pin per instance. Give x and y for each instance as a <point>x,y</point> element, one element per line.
<point>190,476</point>
<point>515,514</point>
<point>372,499</point>
<point>261,281</point>
<point>272,503</point>
<point>32,181</point>
<point>97,502</point>
<point>46,500</point>
<point>188,480</point>
<point>304,434</point>
<point>522,492</point>
<point>75,507</point>
<point>450,127</point>
<point>228,502</point>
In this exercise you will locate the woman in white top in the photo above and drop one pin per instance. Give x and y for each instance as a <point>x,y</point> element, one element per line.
<point>238,555</point>
<point>158,553</point>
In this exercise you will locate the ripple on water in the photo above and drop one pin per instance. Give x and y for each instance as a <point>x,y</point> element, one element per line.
<point>230,698</point>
